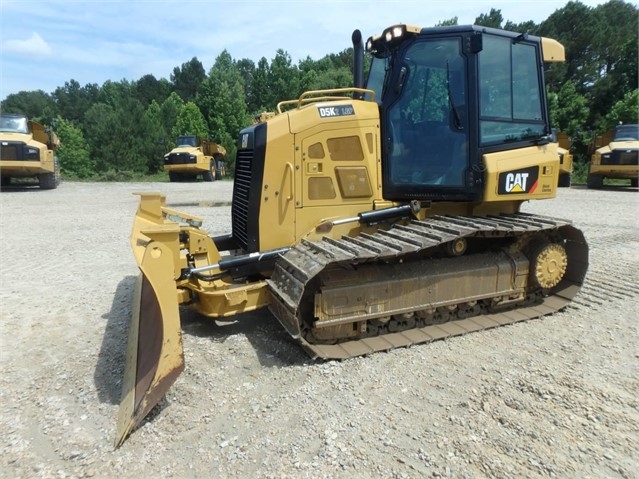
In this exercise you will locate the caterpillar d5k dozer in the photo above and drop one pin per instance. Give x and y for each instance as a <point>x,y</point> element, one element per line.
<point>373,217</point>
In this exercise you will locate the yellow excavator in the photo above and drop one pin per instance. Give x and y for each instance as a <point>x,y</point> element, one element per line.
<point>373,217</point>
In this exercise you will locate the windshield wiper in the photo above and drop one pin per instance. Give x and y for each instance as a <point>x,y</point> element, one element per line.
<point>456,120</point>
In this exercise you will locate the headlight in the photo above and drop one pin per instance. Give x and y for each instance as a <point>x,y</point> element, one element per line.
<point>192,158</point>
<point>33,154</point>
<point>369,44</point>
<point>390,37</point>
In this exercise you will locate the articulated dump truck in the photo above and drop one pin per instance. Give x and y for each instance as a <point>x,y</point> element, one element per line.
<point>615,155</point>
<point>194,156</point>
<point>27,150</point>
<point>565,160</point>
<point>373,217</point>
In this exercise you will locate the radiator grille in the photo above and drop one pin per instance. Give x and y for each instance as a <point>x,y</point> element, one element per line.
<point>241,197</point>
<point>12,151</point>
<point>621,157</point>
<point>179,159</point>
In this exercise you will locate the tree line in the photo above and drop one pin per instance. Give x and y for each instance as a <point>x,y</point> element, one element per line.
<point>126,127</point>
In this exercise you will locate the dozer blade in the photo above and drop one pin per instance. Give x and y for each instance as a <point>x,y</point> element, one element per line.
<point>155,357</point>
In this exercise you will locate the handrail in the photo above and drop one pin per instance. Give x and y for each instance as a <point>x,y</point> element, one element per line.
<point>327,95</point>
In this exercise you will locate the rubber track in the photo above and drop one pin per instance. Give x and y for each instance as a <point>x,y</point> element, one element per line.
<point>298,266</point>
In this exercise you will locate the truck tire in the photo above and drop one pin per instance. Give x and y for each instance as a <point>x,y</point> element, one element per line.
<point>174,177</point>
<point>219,167</point>
<point>5,181</point>
<point>594,182</point>
<point>50,181</point>
<point>634,182</point>
<point>210,175</point>
<point>564,180</point>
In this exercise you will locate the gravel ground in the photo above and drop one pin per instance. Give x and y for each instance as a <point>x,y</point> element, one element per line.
<point>552,397</point>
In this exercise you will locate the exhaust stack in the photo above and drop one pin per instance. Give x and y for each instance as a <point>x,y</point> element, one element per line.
<point>358,63</point>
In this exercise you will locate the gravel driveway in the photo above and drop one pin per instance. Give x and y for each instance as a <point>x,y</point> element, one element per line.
<point>551,397</point>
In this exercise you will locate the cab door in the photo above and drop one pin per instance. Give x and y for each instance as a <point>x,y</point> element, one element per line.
<point>426,153</point>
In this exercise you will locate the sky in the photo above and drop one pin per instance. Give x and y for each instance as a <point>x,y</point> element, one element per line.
<point>44,44</point>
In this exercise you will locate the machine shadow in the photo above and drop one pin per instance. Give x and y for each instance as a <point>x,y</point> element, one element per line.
<point>21,188</point>
<point>618,188</point>
<point>109,370</point>
<point>272,344</point>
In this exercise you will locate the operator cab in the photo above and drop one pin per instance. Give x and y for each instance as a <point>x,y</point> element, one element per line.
<point>447,95</point>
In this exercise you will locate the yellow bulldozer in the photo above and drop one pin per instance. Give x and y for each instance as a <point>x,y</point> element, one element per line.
<point>373,217</point>
<point>27,150</point>
<point>192,157</point>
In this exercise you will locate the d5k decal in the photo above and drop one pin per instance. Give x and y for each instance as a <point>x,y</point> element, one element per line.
<point>339,110</point>
<point>518,181</point>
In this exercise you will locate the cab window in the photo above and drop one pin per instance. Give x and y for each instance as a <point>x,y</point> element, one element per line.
<point>510,96</point>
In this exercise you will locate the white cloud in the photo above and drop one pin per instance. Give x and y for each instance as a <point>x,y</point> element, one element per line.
<point>34,46</point>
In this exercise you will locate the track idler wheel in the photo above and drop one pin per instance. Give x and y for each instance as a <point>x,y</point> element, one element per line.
<point>548,262</point>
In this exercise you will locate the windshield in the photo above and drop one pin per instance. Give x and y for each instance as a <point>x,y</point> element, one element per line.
<point>186,141</point>
<point>14,124</point>
<point>626,133</point>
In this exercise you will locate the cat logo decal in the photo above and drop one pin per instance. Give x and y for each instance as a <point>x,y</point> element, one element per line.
<point>518,181</point>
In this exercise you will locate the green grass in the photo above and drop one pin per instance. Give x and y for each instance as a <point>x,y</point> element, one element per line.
<point>119,176</point>
<point>126,176</point>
